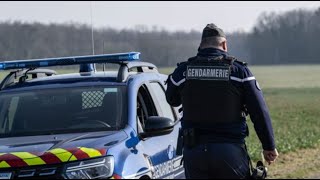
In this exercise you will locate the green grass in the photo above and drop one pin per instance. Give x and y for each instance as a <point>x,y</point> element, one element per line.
<point>295,116</point>
<point>302,76</point>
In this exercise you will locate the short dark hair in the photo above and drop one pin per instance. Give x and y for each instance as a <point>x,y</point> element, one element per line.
<point>212,42</point>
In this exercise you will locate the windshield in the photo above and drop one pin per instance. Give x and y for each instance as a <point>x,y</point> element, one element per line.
<point>63,110</point>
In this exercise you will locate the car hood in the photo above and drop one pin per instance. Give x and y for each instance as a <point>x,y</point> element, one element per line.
<point>54,149</point>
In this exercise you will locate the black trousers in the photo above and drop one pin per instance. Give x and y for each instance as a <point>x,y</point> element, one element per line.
<point>216,161</point>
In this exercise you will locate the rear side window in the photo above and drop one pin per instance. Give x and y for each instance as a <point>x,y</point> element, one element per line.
<point>160,97</point>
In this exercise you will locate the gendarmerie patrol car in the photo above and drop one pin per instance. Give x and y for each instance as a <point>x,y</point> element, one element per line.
<point>87,125</point>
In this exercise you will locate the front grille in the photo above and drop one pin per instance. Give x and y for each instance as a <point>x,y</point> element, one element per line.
<point>39,172</point>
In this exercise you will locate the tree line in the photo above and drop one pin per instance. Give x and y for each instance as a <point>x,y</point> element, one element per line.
<point>287,38</point>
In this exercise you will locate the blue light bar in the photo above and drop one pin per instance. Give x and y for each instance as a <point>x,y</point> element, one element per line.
<point>64,61</point>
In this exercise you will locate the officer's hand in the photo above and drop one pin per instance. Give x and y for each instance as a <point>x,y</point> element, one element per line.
<point>270,156</point>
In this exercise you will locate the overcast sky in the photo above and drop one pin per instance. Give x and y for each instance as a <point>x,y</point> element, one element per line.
<point>171,15</point>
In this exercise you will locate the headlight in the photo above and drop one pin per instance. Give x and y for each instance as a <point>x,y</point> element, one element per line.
<point>90,169</point>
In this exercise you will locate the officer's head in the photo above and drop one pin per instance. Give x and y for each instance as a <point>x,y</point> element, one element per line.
<point>213,37</point>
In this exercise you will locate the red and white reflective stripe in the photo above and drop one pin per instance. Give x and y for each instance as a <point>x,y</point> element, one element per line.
<point>242,80</point>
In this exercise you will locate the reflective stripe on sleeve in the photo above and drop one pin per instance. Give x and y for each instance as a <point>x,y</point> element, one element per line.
<point>177,83</point>
<point>242,80</point>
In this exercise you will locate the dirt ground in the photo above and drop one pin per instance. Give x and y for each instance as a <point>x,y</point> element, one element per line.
<point>300,164</point>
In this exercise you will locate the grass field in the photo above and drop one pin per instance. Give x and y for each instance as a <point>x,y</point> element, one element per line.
<point>295,113</point>
<point>292,94</point>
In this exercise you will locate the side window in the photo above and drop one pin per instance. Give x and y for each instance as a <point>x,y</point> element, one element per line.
<point>158,94</point>
<point>145,107</point>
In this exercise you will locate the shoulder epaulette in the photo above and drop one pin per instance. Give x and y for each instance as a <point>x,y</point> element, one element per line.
<point>181,63</point>
<point>230,58</point>
<point>241,62</point>
<point>193,58</point>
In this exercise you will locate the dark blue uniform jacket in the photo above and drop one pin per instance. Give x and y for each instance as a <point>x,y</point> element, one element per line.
<point>242,78</point>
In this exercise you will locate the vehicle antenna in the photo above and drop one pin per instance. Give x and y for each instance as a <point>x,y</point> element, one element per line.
<point>91,67</point>
<point>103,65</point>
<point>92,39</point>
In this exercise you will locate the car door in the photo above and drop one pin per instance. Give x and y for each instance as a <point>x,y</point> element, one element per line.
<point>161,150</point>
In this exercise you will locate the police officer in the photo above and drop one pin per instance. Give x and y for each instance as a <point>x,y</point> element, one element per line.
<point>217,92</point>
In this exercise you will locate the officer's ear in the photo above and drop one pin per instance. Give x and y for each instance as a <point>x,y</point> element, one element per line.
<point>224,45</point>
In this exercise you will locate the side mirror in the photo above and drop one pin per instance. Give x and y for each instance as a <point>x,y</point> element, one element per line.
<point>157,126</point>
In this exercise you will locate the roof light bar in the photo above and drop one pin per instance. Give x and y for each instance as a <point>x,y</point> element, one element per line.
<point>64,61</point>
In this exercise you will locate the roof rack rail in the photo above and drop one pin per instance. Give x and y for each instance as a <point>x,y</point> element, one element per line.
<point>22,75</point>
<point>123,72</point>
